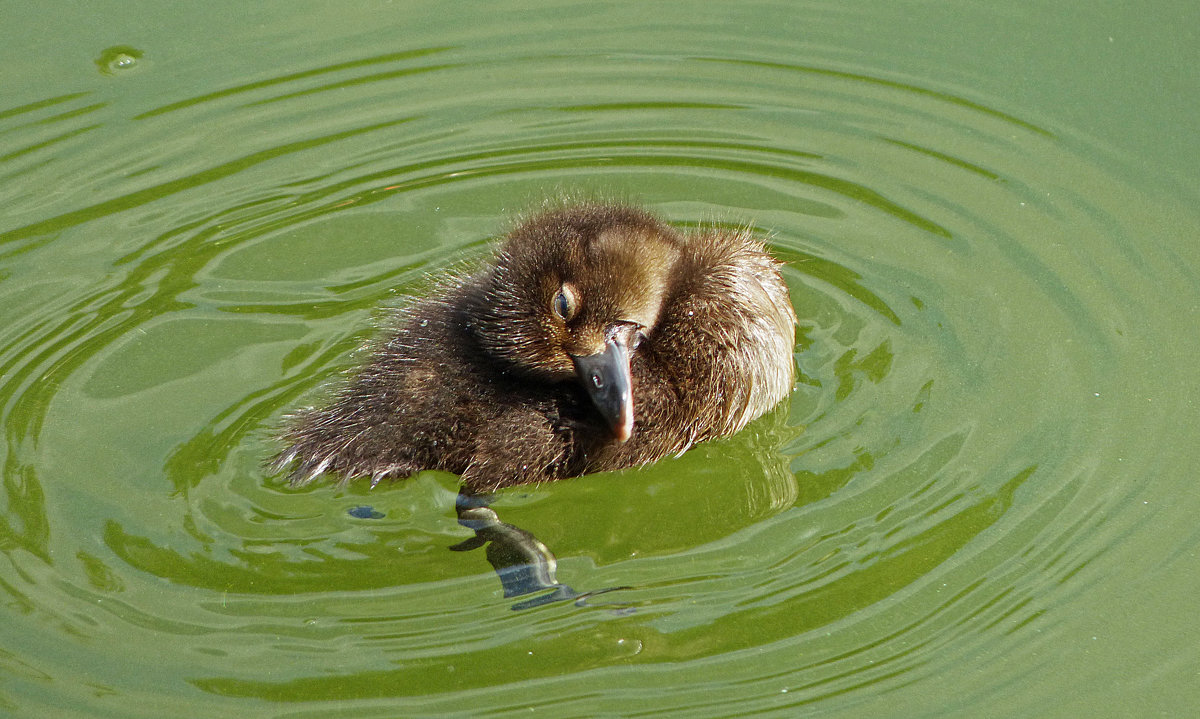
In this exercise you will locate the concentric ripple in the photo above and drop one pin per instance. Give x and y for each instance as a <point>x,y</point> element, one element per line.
<point>962,459</point>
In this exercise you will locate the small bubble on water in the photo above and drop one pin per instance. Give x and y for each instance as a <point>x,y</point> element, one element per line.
<point>118,59</point>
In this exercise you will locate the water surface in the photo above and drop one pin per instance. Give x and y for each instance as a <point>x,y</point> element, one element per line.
<point>978,501</point>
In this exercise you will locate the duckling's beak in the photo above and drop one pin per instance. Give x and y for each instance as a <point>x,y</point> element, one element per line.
<point>608,381</point>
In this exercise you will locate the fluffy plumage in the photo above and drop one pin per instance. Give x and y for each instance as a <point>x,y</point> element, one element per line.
<point>598,338</point>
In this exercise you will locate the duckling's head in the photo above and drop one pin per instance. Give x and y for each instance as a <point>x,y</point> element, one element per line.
<point>572,294</point>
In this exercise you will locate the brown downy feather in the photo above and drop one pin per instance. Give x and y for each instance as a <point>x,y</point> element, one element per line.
<point>488,377</point>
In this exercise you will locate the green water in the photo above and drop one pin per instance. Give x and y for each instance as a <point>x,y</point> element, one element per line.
<point>979,500</point>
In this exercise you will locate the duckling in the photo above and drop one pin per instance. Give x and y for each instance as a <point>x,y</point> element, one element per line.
<point>598,338</point>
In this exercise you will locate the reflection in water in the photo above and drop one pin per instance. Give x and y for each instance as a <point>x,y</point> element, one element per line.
<point>365,511</point>
<point>523,563</point>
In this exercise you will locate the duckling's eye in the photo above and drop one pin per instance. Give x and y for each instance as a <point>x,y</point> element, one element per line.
<point>565,303</point>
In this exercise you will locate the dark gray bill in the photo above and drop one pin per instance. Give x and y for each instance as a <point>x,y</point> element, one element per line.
<point>606,377</point>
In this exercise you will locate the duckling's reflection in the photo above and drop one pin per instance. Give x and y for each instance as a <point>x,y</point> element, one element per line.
<point>758,484</point>
<point>523,563</point>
